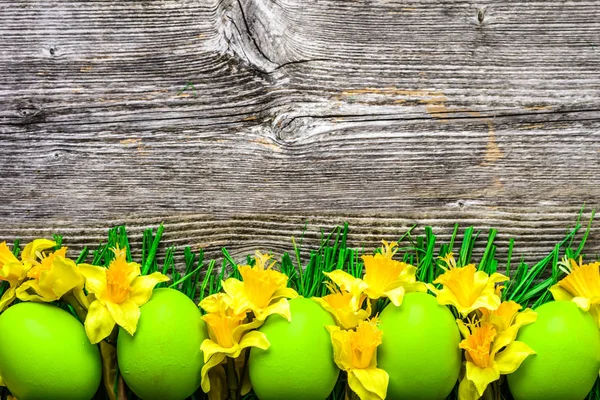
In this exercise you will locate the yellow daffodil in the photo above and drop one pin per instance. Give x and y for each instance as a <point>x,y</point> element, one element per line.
<point>581,286</point>
<point>340,305</point>
<point>488,355</point>
<point>228,334</point>
<point>119,292</point>
<point>508,318</point>
<point>355,351</point>
<point>52,278</point>
<point>384,277</point>
<point>14,271</point>
<point>262,290</point>
<point>466,288</point>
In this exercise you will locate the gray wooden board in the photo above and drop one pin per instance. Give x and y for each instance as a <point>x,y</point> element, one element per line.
<point>380,113</point>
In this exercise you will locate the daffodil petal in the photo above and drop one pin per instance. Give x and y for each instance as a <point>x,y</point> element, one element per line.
<point>5,254</point>
<point>235,289</point>
<point>95,277</point>
<point>250,339</point>
<point>374,380</point>
<point>345,281</point>
<point>216,303</point>
<point>232,286</point>
<point>13,272</point>
<point>209,348</point>
<point>467,390</point>
<point>369,384</point>
<point>396,295</point>
<point>255,339</point>
<point>509,359</point>
<point>7,298</point>
<point>497,277</point>
<point>125,315</point>
<point>337,346</point>
<point>503,339</point>
<point>525,317</point>
<point>345,317</point>
<point>482,377</point>
<point>212,362</point>
<point>414,287</point>
<point>341,355</point>
<point>281,307</point>
<point>490,301</point>
<point>37,294</point>
<point>560,293</point>
<point>11,269</point>
<point>98,323</point>
<point>432,288</point>
<point>63,277</point>
<point>582,302</point>
<point>240,330</point>
<point>446,297</point>
<point>37,246</point>
<point>323,303</point>
<point>142,286</point>
<point>285,292</point>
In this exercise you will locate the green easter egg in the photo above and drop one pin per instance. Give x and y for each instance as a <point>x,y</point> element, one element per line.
<point>566,341</point>
<point>419,348</point>
<point>163,359</point>
<point>299,363</point>
<point>46,355</point>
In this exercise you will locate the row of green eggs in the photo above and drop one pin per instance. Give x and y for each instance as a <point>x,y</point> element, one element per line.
<point>45,354</point>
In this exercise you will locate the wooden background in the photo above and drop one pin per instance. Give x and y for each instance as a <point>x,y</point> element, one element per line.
<point>382,113</point>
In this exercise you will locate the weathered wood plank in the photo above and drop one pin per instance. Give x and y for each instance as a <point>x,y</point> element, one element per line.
<point>383,113</point>
<point>537,232</point>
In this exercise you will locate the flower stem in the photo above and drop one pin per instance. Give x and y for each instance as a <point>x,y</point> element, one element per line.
<point>121,393</point>
<point>232,379</point>
<point>79,309</point>
<point>350,394</point>
<point>109,368</point>
<point>243,375</point>
<point>249,318</point>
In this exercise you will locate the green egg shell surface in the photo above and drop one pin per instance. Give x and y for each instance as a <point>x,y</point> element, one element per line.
<point>419,348</point>
<point>162,361</point>
<point>46,355</point>
<point>567,345</point>
<point>299,362</point>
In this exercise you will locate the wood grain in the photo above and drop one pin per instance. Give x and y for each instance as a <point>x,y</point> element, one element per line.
<point>383,113</point>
